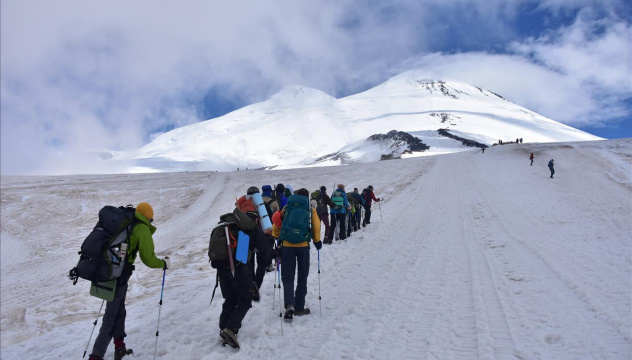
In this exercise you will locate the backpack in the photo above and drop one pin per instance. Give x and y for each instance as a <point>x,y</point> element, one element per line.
<point>217,246</point>
<point>104,252</point>
<point>296,220</point>
<point>365,196</point>
<point>337,199</point>
<point>246,205</point>
<point>353,202</point>
<point>321,208</point>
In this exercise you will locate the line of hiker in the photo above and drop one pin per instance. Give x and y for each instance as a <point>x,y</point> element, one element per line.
<point>267,231</point>
<point>295,223</point>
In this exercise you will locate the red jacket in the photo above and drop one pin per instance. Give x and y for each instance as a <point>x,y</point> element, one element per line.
<point>369,199</point>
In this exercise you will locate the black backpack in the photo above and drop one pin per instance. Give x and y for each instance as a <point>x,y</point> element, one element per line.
<point>104,252</point>
<point>319,197</point>
<point>218,243</point>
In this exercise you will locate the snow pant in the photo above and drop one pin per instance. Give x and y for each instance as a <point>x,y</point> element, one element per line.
<point>113,323</point>
<point>358,219</point>
<point>531,162</point>
<point>552,171</point>
<point>350,223</point>
<point>293,259</point>
<point>337,220</point>
<point>367,216</point>
<point>325,219</point>
<point>261,263</point>
<point>237,292</point>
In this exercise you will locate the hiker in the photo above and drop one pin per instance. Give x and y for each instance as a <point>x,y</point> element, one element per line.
<point>323,211</point>
<point>551,168</point>
<point>483,150</point>
<point>360,201</point>
<point>271,204</point>
<point>294,232</point>
<point>237,289</point>
<point>355,207</point>
<point>517,141</point>
<point>531,158</point>
<point>521,140</point>
<point>260,259</point>
<point>369,197</point>
<point>113,323</point>
<point>279,196</point>
<point>289,190</point>
<point>338,213</point>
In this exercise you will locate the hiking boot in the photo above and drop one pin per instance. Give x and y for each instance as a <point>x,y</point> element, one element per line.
<point>121,351</point>
<point>289,313</point>
<point>229,337</point>
<point>302,312</point>
<point>255,292</point>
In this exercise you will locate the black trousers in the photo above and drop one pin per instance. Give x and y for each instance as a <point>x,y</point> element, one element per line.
<point>338,220</point>
<point>237,292</point>
<point>113,323</point>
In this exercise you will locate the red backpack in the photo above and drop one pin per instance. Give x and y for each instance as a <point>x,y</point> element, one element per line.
<point>246,205</point>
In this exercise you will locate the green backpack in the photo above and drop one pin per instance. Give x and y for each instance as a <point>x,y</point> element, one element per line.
<point>296,220</point>
<point>337,199</point>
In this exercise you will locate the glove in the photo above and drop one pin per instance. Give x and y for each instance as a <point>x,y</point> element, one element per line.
<point>167,263</point>
<point>318,245</point>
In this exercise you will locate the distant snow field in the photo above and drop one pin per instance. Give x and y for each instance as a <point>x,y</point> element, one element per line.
<point>470,255</point>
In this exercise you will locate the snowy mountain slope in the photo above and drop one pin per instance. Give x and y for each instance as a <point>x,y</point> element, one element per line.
<point>469,256</point>
<point>299,125</point>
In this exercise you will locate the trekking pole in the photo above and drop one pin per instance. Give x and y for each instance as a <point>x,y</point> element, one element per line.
<point>379,205</point>
<point>164,271</point>
<point>275,284</point>
<point>279,286</point>
<point>319,298</point>
<point>94,327</point>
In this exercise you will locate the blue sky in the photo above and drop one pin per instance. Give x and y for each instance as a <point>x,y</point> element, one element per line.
<point>81,75</point>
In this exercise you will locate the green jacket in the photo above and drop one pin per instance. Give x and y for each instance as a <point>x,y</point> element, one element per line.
<point>140,241</point>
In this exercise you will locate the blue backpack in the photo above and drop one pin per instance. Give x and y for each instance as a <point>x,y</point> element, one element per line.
<point>296,220</point>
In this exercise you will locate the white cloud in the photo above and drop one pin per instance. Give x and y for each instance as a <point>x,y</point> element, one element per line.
<point>110,74</point>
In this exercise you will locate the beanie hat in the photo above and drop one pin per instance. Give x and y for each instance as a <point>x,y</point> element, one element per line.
<point>371,187</point>
<point>252,190</point>
<point>323,188</point>
<point>280,189</point>
<point>266,190</point>
<point>146,210</point>
<point>302,191</point>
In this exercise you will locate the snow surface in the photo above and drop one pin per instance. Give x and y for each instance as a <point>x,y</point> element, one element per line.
<point>298,125</point>
<point>469,256</point>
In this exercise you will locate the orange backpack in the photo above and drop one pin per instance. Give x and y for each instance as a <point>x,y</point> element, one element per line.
<point>246,205</point>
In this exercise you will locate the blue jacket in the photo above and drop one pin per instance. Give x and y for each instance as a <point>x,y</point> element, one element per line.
<point>342,210</point>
